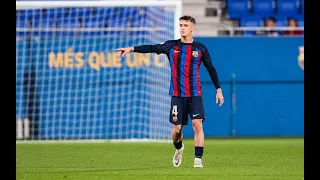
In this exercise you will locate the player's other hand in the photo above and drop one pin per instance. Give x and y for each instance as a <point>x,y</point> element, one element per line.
<point>219,97</point>
<point>124,51</point>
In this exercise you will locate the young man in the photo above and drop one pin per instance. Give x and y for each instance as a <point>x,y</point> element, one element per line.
<point>185,56</point>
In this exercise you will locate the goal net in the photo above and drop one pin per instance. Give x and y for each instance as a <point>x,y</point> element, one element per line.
<point>72,85</point>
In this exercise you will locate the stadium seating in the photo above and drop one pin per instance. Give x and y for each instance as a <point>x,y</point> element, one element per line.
<point>238,8</point>
<point>287,8</point>
<point>251,12</point>
<point>263,8</point>
<point>251,21</point>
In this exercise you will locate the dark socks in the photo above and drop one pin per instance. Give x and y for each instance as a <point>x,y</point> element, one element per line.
<point>198,151</point>
<point>178,145</point>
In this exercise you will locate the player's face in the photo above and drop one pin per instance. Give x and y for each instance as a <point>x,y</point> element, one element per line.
<point>186,28</point>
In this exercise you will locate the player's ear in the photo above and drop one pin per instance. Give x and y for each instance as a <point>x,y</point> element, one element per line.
<point>192,28</point>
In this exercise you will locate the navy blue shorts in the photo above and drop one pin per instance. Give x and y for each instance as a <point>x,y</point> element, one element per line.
<point>181,107</point>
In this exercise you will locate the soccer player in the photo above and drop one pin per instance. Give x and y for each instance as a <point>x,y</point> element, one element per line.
<point>185,56</point>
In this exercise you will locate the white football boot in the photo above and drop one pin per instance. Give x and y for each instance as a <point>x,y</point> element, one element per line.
<point>177,157</point>
<point>197,163</point>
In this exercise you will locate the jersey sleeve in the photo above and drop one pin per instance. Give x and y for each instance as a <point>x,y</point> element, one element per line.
<point>162,48</point>
<point>207,62</point>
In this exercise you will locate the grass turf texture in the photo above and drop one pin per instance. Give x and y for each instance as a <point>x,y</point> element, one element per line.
<point>230,159</point>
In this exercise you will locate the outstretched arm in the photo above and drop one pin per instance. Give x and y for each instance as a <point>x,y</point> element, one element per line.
<point>213,75</point>
<point>158,48</point>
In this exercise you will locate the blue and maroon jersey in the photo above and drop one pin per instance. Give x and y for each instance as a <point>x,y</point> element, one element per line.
<point>185,60</point>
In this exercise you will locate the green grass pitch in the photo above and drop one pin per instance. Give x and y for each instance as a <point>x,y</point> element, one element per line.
<point>223,159</point>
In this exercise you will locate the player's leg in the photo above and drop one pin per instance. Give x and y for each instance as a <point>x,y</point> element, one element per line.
<point>196,112</point>
<point>177,135</point>
<point>198,141</point>
<point>177,142</point>
<point>177,118</point>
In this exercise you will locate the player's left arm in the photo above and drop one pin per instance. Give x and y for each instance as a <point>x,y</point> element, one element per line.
<point>156,48</point>
<point>207,62</point>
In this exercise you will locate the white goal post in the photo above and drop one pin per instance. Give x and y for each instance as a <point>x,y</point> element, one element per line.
<point>72,86</point>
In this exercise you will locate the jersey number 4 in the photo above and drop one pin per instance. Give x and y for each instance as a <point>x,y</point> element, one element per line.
<point>175,110</point>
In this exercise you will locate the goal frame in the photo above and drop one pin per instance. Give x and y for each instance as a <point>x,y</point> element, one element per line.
<point>177,4</point>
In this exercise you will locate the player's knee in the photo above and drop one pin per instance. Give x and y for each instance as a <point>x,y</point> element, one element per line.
<point>197,125</point>
<point>176,130</point>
